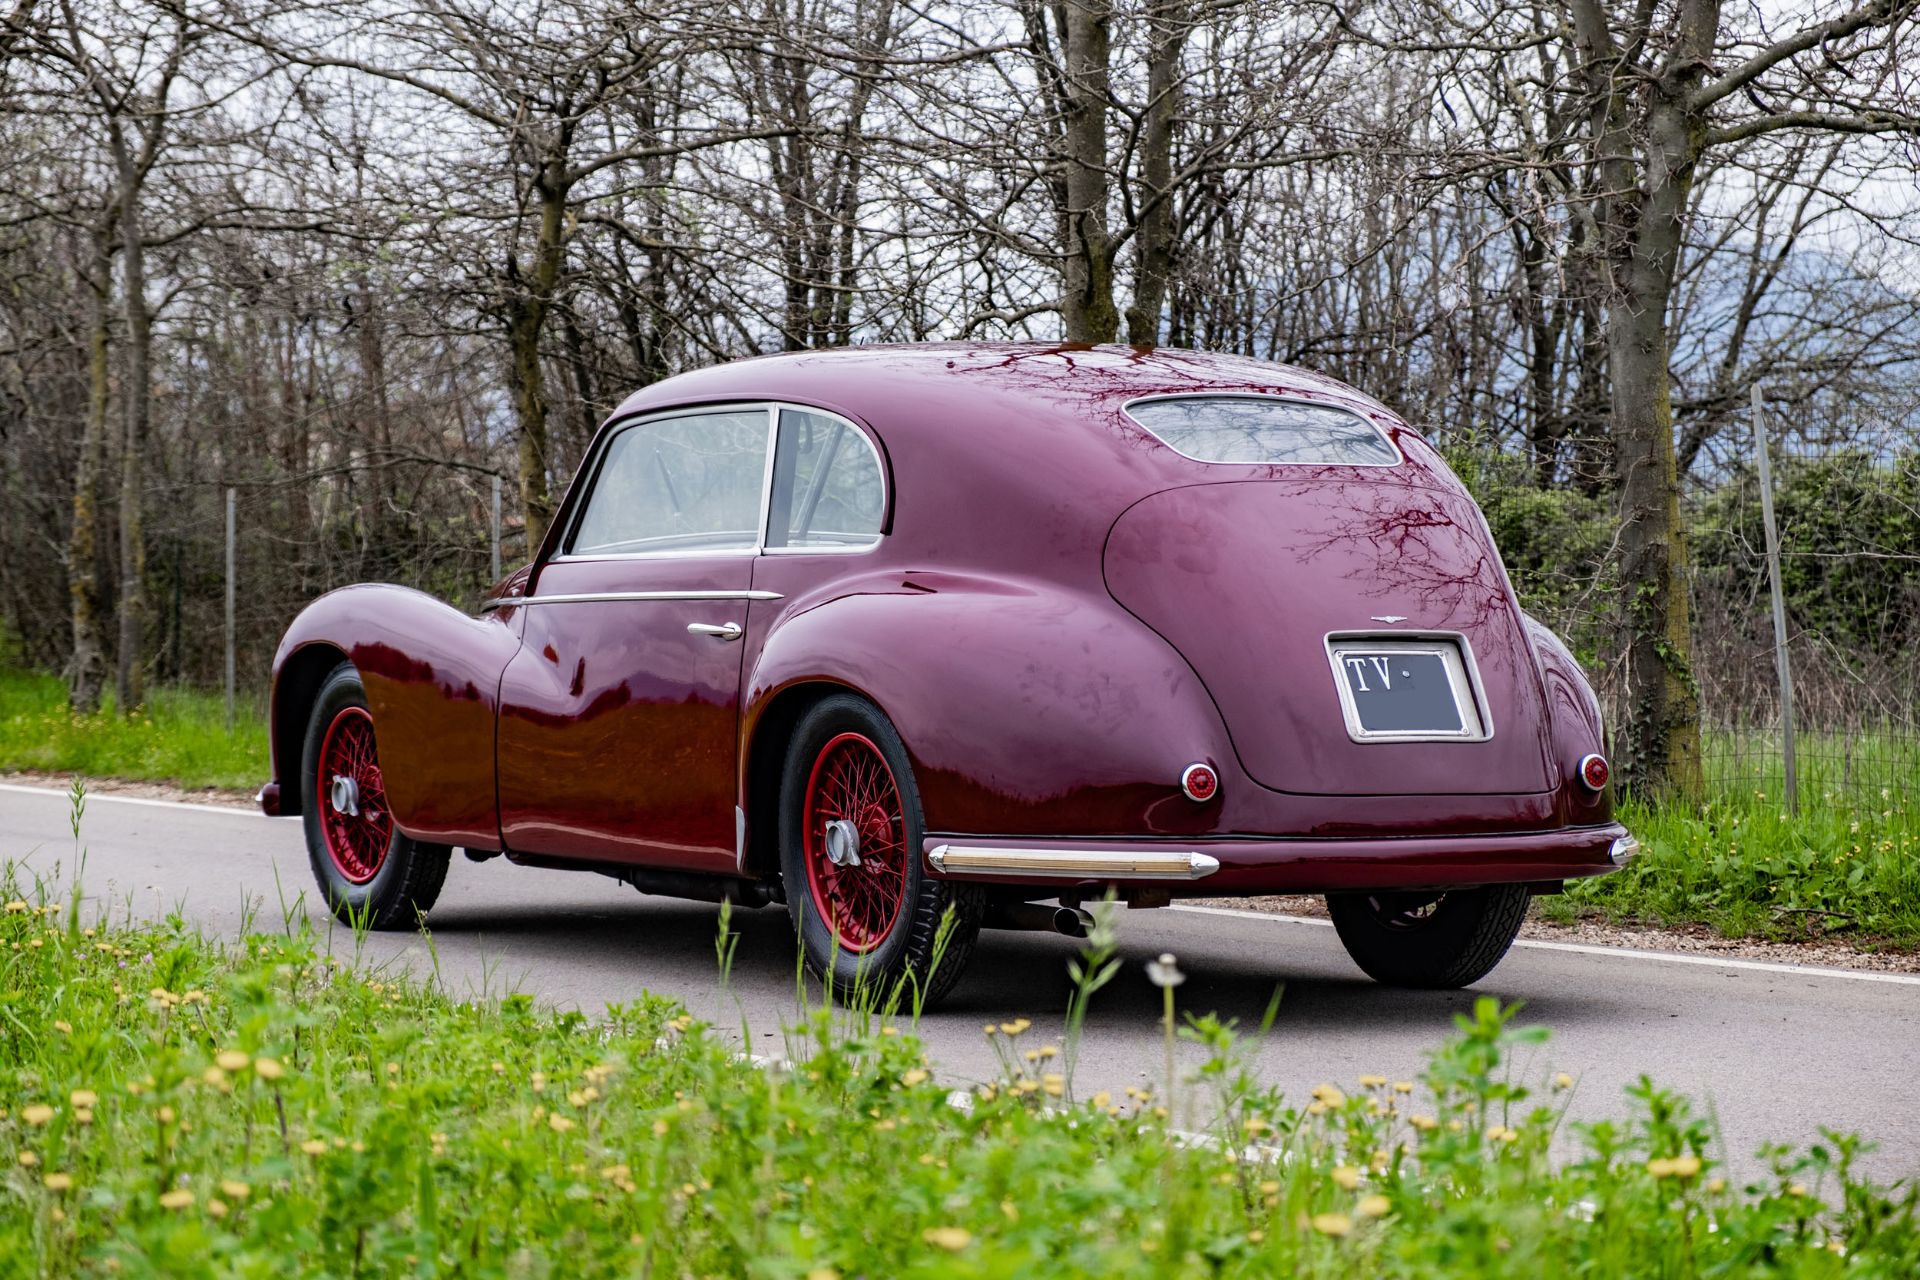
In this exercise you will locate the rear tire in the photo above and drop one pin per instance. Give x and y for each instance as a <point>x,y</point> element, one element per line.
<point>369,871</point>
<point>873,921</point>
<point>1427,940</point>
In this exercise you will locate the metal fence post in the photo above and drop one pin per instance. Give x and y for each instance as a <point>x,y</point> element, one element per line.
<point>231,629</point>
<point>496,530</point>
<point>1782,663</point>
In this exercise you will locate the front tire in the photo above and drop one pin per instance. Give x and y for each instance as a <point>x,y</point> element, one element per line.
<point>866,912</point>
<point>369,871</point>
<point>1432,941</point>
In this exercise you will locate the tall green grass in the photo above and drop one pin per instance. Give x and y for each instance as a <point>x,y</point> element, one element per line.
<point>172,1107</point>
<point>180,736</point>
<point>1848,866</point>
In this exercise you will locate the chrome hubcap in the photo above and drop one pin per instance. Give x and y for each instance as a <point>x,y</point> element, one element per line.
<point>344,795</point>
<point>843,843</point>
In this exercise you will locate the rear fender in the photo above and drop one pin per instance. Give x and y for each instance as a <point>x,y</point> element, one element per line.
<point>432,676</point>
<point>1577,728</point>
<point>1026,708</point>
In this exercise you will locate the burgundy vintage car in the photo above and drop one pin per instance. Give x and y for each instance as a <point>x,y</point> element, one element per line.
<point>895,635</point>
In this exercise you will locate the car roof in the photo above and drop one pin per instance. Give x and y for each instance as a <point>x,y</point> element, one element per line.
<point>937,381</point>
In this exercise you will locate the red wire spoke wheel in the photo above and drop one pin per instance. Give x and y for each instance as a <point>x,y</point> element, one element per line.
<point>854,832</point>
<point>355,824</point>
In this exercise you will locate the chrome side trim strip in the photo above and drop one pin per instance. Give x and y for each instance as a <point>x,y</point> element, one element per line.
<point>1087,864</point>
<point>504,602</point>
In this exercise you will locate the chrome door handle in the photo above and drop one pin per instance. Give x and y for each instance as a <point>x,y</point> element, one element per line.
<point>725,631</point>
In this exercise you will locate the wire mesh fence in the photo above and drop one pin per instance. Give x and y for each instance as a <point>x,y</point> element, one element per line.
<point>1848,513</point>
<point>1847,505</point>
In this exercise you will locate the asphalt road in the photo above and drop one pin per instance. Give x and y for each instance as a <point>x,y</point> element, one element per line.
<point>1775,1053</point>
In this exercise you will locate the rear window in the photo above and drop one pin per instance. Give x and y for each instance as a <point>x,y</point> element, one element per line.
<point>1264,429</point>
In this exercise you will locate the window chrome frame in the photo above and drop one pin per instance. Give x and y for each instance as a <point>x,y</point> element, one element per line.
<point>1399,456</point>
<point>1463,676</point>
<point>772,409</point>
<point>766,498</point>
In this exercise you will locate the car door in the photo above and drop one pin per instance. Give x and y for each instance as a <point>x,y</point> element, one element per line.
<point>619,716</point>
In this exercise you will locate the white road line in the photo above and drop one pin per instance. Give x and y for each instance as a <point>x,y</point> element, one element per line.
<point>1577,948</point>
<point>96,796</point>
<point>1628,953</point>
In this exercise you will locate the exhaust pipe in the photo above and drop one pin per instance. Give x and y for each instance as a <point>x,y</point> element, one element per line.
<point>1038,917</point>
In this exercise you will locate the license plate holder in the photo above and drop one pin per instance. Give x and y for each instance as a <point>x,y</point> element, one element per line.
<point>1408,688</point>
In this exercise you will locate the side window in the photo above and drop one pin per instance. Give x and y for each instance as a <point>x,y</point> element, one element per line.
<point>678,485</point>
<point>828,491</point>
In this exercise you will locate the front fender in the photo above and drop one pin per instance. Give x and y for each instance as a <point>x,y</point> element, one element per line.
<point>432,677</point>
<point>1027,708</point>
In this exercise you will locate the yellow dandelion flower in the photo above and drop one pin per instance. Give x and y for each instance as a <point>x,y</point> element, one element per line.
<point>37,1114</point>
<point>1373,1082</point>
<point>177,1199</point>
<point>28,1160</point>
<point>1423,1123</point>
<point>823,1273</point>
<point>916,1076</point>
<point>83,1115</point>
<point>231,1060</point>
<point>215,1077</point>
<point>950,1238</point>
<point>1373,1206</point>
<point>559,1123</point>
<point>268,1068</point>
<point>538,1081</point>
<point>83,1098</point>
<point>1797,1189</point>
<point>217,1207</point>
<point>1717,1185</point>
<point>164,1114</point>
<point>1346,1177</point>
<point>1332,1224</point>
<point>1102,1100</point>
<point>1327,1094</point>
<point>1660,1167</point>
<point>1403,1086</point>
<point>1563,1081</point>
<point>235,1190</point>
<point>59,1182</point>
<point>1686,1166</point>
<point>314,1146</point>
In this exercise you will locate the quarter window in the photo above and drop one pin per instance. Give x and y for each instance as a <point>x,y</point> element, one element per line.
<point>828,491</point>
<point>1264,429</point>
<point>681,485</point>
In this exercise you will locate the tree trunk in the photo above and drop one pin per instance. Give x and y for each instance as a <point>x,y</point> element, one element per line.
<point>133,552</point>
<point>1153,250</point>
<point>1086,303</point>
<point>88,671</point>
<point>526,322</point>
<point>1659,742</point>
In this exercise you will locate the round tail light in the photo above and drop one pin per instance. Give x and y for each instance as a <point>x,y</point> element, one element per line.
<point>1594,772</point>
<point>1200,783</point>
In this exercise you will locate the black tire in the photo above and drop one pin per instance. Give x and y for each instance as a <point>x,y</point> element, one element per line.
<point>406,877</point>
<point>907,949</point>
<point>1433,941</point>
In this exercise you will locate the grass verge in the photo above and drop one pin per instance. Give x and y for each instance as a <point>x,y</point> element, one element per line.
<point>180,736</point>
<point>1847,867</point>
<point>175,1107</point>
